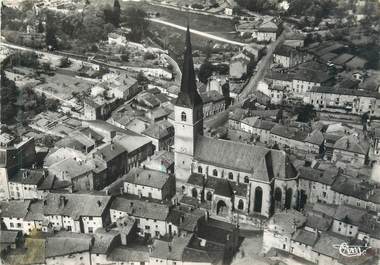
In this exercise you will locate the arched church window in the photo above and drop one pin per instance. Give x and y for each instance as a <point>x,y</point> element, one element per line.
<point>215,173</point>
<point>230,175</point>
<point>200,170</point>
<point>183,116</point>
<point>241,204</point>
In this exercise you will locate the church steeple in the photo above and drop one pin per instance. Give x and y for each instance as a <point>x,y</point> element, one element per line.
<point>188,95</point>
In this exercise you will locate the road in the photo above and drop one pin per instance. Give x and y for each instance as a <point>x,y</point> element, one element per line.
<point>197,32</point>
<point>261,68</point>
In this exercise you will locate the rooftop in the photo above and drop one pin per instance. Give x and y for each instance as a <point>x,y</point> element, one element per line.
<point>305,237</point>
<point>147,177</point>
<point>76,205</point>
<point>140,208</point>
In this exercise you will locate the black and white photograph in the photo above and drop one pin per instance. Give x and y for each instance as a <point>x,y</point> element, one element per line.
<point>190,132</point>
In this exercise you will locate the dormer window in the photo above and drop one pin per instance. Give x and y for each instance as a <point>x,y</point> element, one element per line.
<point>183,116</point>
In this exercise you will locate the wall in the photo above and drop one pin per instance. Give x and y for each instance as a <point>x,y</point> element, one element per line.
<point>73,259</point>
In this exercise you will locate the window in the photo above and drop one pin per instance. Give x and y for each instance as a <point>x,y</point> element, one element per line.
<point>90,218</point>
<point>215,173</point>
<point>183,116</point>
<point>18,225</point>
<point>90,230</point>
<point>241,204</point>
<point>324,194</point>
<point>230,175</point>
<point>157,233</point>
<point>200,170</point>
<point>147,227</point>
<point>11,225</point>
<point>246,179</point>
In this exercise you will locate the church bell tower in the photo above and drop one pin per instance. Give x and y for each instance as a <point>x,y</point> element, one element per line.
<point>188,117</point>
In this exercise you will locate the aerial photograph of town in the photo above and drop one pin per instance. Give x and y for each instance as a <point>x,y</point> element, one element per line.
<point>190,132</point>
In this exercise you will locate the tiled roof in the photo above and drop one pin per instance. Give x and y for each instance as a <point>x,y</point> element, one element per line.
<point>76,204</point>
<point>264,163</point>
<point>147,177</point>
<point>138,208</point>
<point>350,214</point>
<point>305,237</point>
<point>14,209</point>
<point>67,244</point>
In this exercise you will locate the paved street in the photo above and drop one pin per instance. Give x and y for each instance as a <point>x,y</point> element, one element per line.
<point>200,33</point>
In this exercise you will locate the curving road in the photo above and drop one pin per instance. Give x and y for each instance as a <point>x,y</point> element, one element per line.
<point>197,32</point>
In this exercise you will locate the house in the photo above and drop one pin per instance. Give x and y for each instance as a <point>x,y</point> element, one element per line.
<point>288,57</point>
<point>347,220</point>
<point>114,38</point>
<point>161,134</point>
<point>24,185</point>
<point>351,149</point>
<point>302,243</point>
<point>266,32</point>
<point>162,161</point>
<point>126,90</point>
<point>77,212</point>
<point>258,127</point>
<point>11,239</point>
<point>305,79</point>
<point>281,229</point>
<point>315,185</point>
<point>96,109</point>
<point>150,216</point>
<point>213,103</point>
<point>13,214</point>
<point>33,253</point>
<point>239,66</point>
<point>34,219</point>
<point>12,151</point>
<point>343,100</point>
<point>128,256</point>
<point>149,184</point>
<point>66,248</point>
<point>104,242</point>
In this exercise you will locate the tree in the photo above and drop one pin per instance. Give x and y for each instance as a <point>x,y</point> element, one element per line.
<point>124,57</point>
<point>116,13</point>
<point>306,113</point>
<point>27,59</point>
<point>40,28</point>
<point>8,95</point>
<point>137,22</point>
<point>64,62</point>
<point>50,38</point>
<point>205,71</point>
<point>141,78</point>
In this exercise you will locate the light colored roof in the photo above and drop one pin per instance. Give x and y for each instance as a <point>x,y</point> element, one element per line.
<point>350,214</point>
<point>353,144</point>
<point>14,209</point>
<point>66,244</point>
<point>170,250</point>
<point>76,204</point>
<point>160,130</point>
<point>129,255</point>
<point>147,177</point>
<point>132,142</point>
<point>305,237</point>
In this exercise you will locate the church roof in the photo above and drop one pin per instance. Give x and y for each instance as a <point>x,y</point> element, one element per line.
<point>223,188</point>
<point>264,163</point>
<point>188,95</point>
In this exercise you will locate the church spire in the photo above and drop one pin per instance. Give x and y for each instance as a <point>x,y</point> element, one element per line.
<point>188,95</point>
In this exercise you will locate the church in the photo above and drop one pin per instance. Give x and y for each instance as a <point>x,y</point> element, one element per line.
<point>231,179</point>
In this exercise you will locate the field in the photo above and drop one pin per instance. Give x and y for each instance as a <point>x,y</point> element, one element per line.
<point>62,86</point>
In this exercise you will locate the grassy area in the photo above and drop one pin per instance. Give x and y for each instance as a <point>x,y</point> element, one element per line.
<point>210,24</point>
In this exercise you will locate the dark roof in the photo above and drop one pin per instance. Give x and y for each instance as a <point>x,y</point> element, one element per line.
<point>350,214</point>
<point>325,177</point>
<point>160,130</point>
<point>14,209</point>
<point>353,187</point>
<point>66,244</point>
<point>343,91</point>
<point>223,188</point>
<point>138,208</point>
<point>129,255</point>
<point>262,162</point>
<point>196,179</point>
<point>188,95</point>
<point>319,221</point>
<point>9,237</point>
<point>284,50</point>
<point>103,240</point>
<point>29,176</point>
<point>305,237</point>
<point>211,96</point>
<point>311,76</point>
<point>216,231</point>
